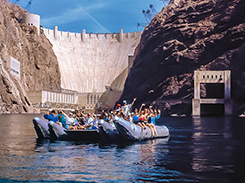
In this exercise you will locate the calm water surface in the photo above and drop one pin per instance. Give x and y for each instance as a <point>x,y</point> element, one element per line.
<point>206,149</point>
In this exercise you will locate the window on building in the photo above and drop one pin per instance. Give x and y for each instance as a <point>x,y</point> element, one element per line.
<point>87,99</point>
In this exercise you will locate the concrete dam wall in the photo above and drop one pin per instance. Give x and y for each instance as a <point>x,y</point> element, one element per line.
<point>89,62</point>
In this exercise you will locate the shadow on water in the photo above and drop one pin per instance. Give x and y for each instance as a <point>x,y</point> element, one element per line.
<point>47,143</point>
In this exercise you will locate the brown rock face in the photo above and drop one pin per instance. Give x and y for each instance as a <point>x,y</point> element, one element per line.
<point>13,98</point>
<point>38,63</point>
<point>185,36</point>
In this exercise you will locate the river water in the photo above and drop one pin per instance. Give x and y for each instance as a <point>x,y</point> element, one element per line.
<point>207,149</point>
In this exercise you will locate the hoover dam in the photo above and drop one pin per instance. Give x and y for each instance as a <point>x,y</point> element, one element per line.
<point>90,65</point>
<point>89,62</point>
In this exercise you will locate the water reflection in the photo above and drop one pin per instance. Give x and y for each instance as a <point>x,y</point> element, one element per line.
<point>199,150</point>
<point>212,147</point>
<point>149,168</point>
<point>16,138</point>
<point>115,162</point>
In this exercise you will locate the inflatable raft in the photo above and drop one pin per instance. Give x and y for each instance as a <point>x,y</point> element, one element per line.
<point>49,130</point>
<point>108,132</point>
<point>131,131</point>
<point>123,130</point>
<point>89,135</point>
<point>57,132</point>
<point>53,131</point>
<point>41,127</point>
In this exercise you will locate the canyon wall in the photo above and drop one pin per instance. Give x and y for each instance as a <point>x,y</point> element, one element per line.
<point>188,35</point>
<point>39,69</point>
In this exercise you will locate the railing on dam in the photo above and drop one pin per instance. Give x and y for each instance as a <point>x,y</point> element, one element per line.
<point>83,37</point>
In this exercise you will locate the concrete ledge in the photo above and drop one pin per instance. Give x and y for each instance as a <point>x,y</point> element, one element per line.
<point>212,101</point>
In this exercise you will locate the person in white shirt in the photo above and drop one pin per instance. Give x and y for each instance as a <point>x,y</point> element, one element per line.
<point>71,122</point>
<point>126,106</point>
<point>90,121</point>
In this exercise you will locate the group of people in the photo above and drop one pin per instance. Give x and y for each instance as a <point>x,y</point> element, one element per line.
<point>76,119</point>
<point>143,117</point>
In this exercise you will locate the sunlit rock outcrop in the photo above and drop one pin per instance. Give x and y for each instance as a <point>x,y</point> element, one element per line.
<point>38,63</point>
<point>185,36</point>
<point>13,98</point>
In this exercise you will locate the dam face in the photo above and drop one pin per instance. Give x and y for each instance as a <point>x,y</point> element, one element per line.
<point>89,62</point>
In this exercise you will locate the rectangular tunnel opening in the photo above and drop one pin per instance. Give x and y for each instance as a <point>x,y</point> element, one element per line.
<point>212,90</point>
<point>212,109</point>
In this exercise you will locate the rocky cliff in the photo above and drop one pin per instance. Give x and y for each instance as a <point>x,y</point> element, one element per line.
<point>38,63</point>
<point>188,35</point>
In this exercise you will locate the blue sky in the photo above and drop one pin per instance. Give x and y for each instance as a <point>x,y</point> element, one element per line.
<point>95,16</point>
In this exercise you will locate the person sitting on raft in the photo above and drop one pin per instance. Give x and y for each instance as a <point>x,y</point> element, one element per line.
<point>131,117</point>
<point>141,118</point>
<point>126,106</point>
<point>61,118</point>
<point>136,116</point>
<point>71,122</point>
<point>147,118</point>
<point>90,122</point>
<point>51,116</point>
<point>80,117</point>
<point>122,115</point>
<point>118,107</point>
<point>110,119</point>
<point>151,121</point>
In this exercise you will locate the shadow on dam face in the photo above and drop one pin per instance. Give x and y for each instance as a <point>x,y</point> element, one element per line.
<point>212,109</point>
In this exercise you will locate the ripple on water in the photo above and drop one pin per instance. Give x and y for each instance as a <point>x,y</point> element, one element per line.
<point>204,150</point>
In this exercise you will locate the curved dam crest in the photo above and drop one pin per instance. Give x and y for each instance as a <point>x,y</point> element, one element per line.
<point>89,62</point>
